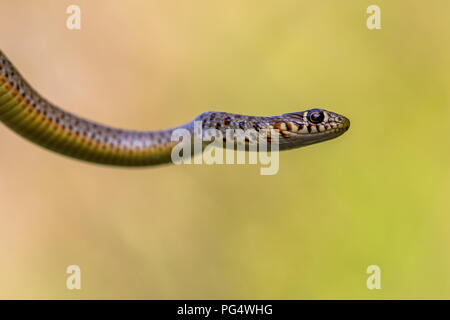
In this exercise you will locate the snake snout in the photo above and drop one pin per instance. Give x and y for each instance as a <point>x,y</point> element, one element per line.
<point>346,123</point>
<point>338,121</point>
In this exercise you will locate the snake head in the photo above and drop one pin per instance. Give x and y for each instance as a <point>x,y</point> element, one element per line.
<point>308,127</point>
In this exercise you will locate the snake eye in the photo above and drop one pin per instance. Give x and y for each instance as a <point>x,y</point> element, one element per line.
<point>315,116</point>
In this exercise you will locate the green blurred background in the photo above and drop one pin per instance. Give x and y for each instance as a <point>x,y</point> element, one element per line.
<point>377,195</point>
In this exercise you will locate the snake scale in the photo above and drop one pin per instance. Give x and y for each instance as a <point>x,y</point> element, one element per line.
<point>27,113</point>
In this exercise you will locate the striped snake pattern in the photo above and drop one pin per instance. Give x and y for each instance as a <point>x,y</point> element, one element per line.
<point>27,113</point>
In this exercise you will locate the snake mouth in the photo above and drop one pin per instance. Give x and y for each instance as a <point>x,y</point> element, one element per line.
<point>337,127</point>
<point>340,129</point>
<point>346,123</point>
<point>330,130</point>
<point>308,138</point>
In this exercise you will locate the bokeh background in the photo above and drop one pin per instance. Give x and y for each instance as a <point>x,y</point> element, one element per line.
<point>377,195</point>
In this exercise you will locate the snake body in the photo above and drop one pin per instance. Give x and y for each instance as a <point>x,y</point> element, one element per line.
<point>27,113</point>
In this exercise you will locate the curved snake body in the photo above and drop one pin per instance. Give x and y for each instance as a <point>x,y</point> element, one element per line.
<point>26,112</point>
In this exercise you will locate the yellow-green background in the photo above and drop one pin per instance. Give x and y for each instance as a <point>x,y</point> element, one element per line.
<point>377,195</point>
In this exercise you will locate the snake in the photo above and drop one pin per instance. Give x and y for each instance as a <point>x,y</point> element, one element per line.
<point>33,117</point>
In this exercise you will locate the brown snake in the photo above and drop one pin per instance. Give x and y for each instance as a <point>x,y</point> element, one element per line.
<point>26,112</point>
